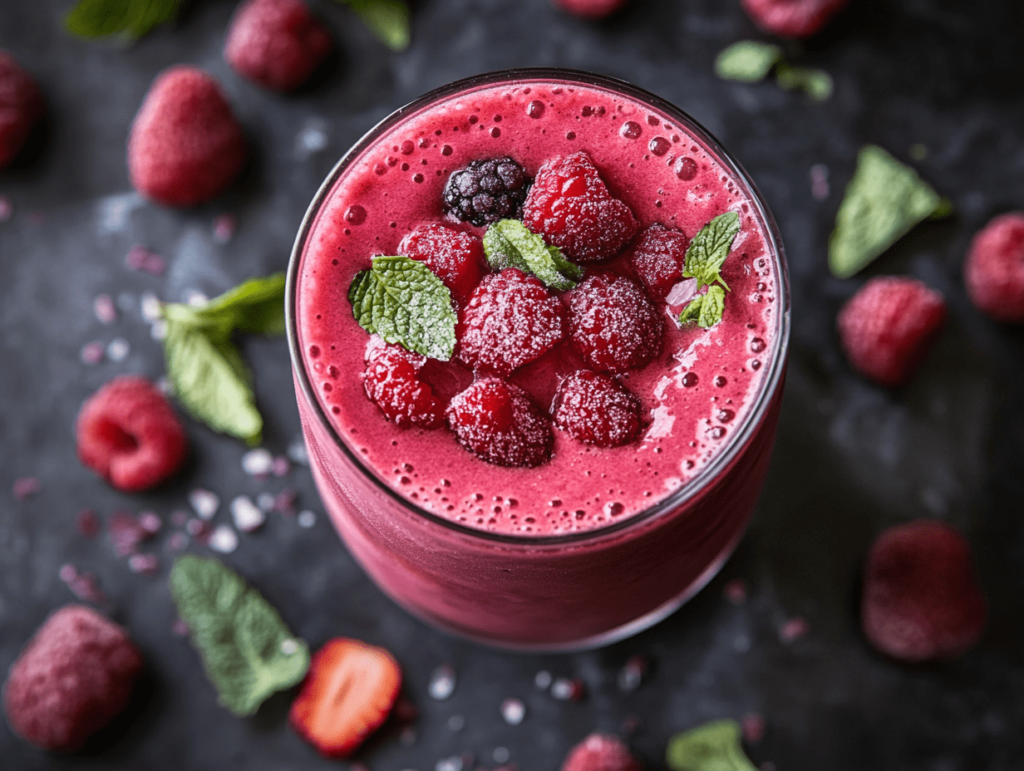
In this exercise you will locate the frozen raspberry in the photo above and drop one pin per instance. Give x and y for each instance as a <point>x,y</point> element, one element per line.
<point>276,43</point>
<point>994,269</point>
<point>392,382</point>
<point>486,191</point>
<point>600,752</point>
<point>921,600</point>
<point>73,677</point>
<point>128,433</point>
<point>21,105</point>
<point>596,409</point>
<point>888,326</point>
<point>571,207</point>
<point>590,9</point>
<point>455,257</point>
<point>498,422</point>
<point>185,146</point>
<point>510,320</point>
<point>792,18</point>
<point>613,325</point>
<point>658,259</point>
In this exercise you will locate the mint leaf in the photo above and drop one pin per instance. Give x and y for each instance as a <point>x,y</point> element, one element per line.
<point>401,300</point>
<point>706,309</point>
<point>816,83</point>
<point>100,18</point>
<point>882,203</point>
<point>747,61</point>
<point>509,244</point>
<point>714,746</point>
<point>255,306</point>
<point>707,251</point>
<point>387,19</point>
<point>247,651</point>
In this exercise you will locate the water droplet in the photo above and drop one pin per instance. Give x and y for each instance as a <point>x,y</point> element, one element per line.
<point>495,132</point>
<point>446,150</point>
<point>690,380</point>
<point>725,415</point>
<point>659,146</point>
<point>686,169</point>
<point>630,130</point>
<point>355,215</point>
<point>720,381</point>
<point>408,147</point>
<point>535,109</point>
<point>757,345</point>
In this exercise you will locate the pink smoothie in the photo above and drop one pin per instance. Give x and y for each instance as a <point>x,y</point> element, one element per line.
<point>709,416</point>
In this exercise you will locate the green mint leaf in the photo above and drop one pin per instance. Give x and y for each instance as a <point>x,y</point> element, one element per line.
<point>747,61</point>
<point>714,746</point>
<point>816,83</point>
<point>255,306</point>
<point>100,18</point>
<point>707,251</point>
<point>401,300</point>
<point>705,309</point>
<point>882,203</point>
<point>210,378</point>
<point>509,244</point>
<point>247,651</point>
<point>387,19</point>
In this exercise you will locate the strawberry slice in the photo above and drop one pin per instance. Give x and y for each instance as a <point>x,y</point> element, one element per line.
<point>348,693</point>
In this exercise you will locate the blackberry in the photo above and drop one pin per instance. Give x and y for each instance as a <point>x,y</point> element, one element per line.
<point>486,191</point>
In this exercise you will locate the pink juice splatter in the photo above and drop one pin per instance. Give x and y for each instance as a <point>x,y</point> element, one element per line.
<point>520,556</point>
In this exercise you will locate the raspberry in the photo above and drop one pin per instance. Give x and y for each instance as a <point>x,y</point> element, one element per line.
<point>888,326</point>
<point>921,600</point>
<point>21,105</point>
<point>792,18</point>
<point>276,43</point>
<point>994,269</point>
<point>590,9</point>
<point>510,320</point>
<point>455,257</point>
<point>128,433</point>
<point>497,422</point>
<point>613,325</point>
<point>596,409</point>
<point>392,382</point>
<point>571,207</point>
<point>486,191</point>
<point>73,677</point>
<point>658,259</point>
<point>185,146</point>
<point>600,752</point>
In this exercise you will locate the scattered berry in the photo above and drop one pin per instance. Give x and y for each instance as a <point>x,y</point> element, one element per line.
<point>258,462</point>
<point>455,257</point>
<point>600,752</point>
<point>276,43</point>
<point>499,423</point>
<point>510,320</point>
<point>128,433</point>
<point>793,629</point>
<point>185,145</point>
<point>25,487</point>
<point>21,105</point>
<point>613,325</point>
<point>571,207</point>
<point>222,539</point>
<point>888,326</point>
<point>392,383</point>
<point>921,600</point>
<point>71,679</point>
<point>791,18</point>
<point>568,689</point>
<point>994,269</point>
<point>347,694</point>
<point>590,9</point>
<point>144,564</point>
<point>658,259</point>
<point>486,191</point>
<point>596,409</point>
<point>126,533</point>
<point>204,503</point>
<point>248,517</point>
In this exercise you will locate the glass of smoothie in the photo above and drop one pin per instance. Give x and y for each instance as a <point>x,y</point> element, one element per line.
<point>595,543</point>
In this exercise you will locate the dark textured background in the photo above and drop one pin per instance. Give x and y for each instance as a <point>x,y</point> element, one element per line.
<point>851,458</point>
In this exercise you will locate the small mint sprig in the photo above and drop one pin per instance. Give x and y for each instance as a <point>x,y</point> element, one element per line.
<point>704,259</point>
<point>510,244</point>
<point>402,300</point>
<point>134,18</point>
<point>714,746</point>
<point>206,369</point>
<point>387,19</point>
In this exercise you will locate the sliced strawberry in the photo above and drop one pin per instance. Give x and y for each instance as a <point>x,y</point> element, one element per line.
<point>348,693</point>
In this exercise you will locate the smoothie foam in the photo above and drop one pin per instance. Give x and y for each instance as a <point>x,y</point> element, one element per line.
<point>695,395</point>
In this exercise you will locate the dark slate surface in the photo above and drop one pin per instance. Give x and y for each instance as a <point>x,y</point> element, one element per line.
<point>851,458</point>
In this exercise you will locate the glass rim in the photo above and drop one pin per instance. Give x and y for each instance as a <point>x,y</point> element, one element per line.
<point>737,441</point>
